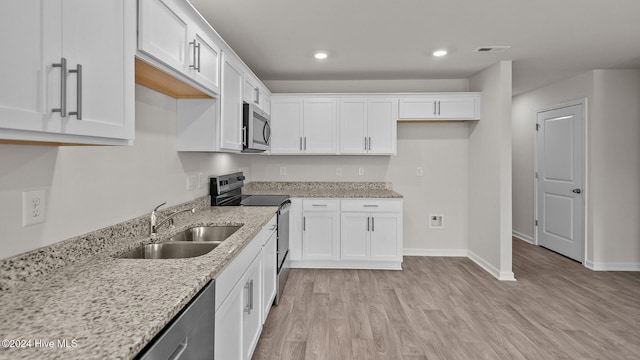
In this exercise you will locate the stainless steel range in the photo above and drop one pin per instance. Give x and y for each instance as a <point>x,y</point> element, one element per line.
<point>226,190</point>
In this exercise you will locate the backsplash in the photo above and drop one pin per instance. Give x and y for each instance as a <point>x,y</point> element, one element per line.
<point>41,261</point>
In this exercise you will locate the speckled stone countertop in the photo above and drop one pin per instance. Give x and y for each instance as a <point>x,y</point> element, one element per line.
<point>111,308</point>
<point>323,189</point>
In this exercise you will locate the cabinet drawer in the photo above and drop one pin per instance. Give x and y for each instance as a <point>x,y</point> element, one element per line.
<point>320,205</point>
<point>372,205</point>
<point>227,279</point>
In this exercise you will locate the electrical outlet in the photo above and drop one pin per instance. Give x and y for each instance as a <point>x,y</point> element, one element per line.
<point>191,181</point>
<point>338,171</point>
<point>436,221</point>
<point>202,181</point>
<point>360,171</point>
<point>283,170</point>
<point>34,207</point>
<point>419,171</point>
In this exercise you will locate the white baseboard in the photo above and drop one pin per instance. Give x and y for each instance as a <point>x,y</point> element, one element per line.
<point>436,252</point>
<point>500,275</point>
<point>523,237</point>
<point>612,266</point>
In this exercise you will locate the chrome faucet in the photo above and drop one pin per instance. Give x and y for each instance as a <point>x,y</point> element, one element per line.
<point>153,223</point>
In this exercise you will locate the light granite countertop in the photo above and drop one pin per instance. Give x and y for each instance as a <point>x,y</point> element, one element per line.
<point>302,189</point>
<point>109,308</point>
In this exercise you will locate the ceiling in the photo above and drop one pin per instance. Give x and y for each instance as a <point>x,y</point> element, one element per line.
<point>380,39</point>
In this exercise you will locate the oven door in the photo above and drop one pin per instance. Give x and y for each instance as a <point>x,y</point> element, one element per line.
<point>256,129</point>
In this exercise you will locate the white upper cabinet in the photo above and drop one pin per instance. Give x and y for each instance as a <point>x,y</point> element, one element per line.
<point>68,76</point>
<point>231,104</point>
<point>173,37</point>
<point>368,125</point>
<point>304,125</point>
<point>445,106</point>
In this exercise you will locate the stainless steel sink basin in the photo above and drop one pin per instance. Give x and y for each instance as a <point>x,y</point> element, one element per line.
<point>169,250</point>
<point>208,234</point>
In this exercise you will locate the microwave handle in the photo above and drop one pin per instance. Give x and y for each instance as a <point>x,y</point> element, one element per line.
<point>266,132</point>
<point>244,136</point>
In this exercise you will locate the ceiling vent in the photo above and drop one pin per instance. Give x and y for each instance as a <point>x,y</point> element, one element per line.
<point>491,49</point>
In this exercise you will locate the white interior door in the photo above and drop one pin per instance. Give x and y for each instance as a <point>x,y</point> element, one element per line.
<point>561,159</point>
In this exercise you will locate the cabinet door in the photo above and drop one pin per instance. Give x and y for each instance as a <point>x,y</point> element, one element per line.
<point>295,230</point>
<point>96,37</point>
<point>320,122</point>
<point>354,236</point>
<point>269,270</point>
<point>384,237</point>
<point>251,89</point>
<point>229,322</point>
<point>30,34</point>
<point>163,33</point>
<point>205,62</point>
<point>418,108</point>
<point>381,126</point>
<point>252,318</point>
<point>353,120</point>
<point>320,236</point>
<point>286,130</point>
<point>457,107</point>
<point>265,101</point>
<point>231,119</point>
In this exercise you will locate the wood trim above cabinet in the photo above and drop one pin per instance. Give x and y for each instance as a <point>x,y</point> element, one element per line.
<point>149,76</point>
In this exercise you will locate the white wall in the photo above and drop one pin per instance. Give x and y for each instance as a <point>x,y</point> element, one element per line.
<point>440,148</point>
<point>613,165</point>
<point>91,187</point>
<point>614,171</point>
<point>490,173</point>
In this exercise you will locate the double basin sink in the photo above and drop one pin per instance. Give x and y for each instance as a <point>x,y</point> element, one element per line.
<point>189,243</point>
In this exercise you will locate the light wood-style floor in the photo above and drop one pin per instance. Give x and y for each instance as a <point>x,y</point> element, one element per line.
<point>449,308</point>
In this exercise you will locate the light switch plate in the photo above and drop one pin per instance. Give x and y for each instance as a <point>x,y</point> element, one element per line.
<point>34,206</point>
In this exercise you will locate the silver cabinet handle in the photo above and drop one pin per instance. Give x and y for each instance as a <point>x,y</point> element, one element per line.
<point>304,223</point>
<point>63,87</point>
<point>365,143</point>
<point>435,107</point>
<point>373,224</point>
<point>368,223</point>
<point>196,55</point>
<point>319,205</point>
<point>78,72</point>
<point>250,296</point>
<point>438,107</point>
<point>300,143</point>
<point>305,143</point>
<point>247,307</point>
<point>369,143</point>
<point>369,205</point>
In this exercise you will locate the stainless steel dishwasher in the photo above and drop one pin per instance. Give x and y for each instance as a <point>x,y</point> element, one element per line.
<point>190,335</point>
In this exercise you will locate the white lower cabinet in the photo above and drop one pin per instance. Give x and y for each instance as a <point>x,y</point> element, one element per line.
<point>269,267</point>
<point>320,230</point>
<point>346,233</point>
<point>239,301</point>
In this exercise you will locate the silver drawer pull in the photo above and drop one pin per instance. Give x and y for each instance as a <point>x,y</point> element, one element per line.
<point>369,205</point>
<point>63,87</point>
<point>319,205</point>
<point>78,72</point>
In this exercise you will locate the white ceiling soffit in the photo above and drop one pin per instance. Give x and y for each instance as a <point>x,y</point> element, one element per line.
<point>380,39</point>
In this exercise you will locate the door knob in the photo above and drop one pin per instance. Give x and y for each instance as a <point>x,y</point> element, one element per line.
<point>577,191</point>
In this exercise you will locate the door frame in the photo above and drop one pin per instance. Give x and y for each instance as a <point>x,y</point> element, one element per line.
<point>584,103</point>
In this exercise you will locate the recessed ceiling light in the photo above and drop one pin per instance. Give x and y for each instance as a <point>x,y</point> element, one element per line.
<point>320,55</point>
<point>440,52</point>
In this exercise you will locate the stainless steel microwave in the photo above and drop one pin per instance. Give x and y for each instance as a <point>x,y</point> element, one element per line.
<point>256,129</point>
